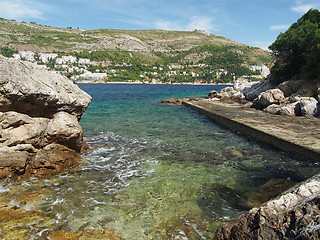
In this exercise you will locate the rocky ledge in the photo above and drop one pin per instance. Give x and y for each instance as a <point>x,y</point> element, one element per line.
<point>40,111</point>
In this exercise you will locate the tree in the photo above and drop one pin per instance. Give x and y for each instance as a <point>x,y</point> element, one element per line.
<point>7,52</point>
<point>297,50</point>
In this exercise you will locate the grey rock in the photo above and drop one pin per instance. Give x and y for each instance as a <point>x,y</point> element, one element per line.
<point>254,91</point>
<point>309,107</point>
<point>290,87</point>
<point>39,113</point>
<point>29,89</point>
<point>213,94</point>
<point>273,109</point>
<point>291,109</point>
<point>239,85</point>
<point>271,96</point>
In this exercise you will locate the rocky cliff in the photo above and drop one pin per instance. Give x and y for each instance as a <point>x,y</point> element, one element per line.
<point>40,111</point>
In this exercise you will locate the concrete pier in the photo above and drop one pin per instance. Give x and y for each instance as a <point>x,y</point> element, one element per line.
<point>297,135</point>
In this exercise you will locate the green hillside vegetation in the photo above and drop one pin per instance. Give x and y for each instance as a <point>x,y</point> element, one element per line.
<point>297,51</point>
<point>138,51</point>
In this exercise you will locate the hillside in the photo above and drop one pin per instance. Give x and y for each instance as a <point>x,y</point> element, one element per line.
<point>147,47</point>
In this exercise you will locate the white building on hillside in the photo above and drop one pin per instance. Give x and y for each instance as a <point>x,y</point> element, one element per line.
<point>91,76</point>
<point>264,70</point>
<point>66,59</point>
<point>84,61</point>
<point>27,55</point>
<point>16,56</point>
<point>44,57</point>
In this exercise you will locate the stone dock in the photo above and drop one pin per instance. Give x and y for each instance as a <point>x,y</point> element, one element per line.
<point>297,135</point>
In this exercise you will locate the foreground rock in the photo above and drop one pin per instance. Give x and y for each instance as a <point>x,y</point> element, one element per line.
<point>294,214</point>
<point>40,132</point>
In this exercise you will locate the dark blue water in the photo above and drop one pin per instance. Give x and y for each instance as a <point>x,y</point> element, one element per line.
<point>158,171</point>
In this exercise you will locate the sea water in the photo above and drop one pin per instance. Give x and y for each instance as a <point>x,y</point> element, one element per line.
<point>158,171</point>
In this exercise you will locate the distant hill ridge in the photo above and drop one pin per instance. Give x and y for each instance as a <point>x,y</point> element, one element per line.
<point>38,38</point>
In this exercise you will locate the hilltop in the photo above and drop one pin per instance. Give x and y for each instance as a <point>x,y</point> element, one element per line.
<point>134,47</point>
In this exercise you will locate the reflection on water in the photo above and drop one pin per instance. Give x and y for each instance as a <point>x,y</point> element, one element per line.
<point>154,172</point>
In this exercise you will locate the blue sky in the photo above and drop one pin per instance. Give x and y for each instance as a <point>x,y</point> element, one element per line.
<point>252,22</point>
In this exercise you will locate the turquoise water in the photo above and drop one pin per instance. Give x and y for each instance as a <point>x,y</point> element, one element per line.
<point>159,171</point>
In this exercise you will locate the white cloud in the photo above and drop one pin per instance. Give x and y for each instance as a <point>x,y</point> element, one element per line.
<point>167,25</point>
<point>203,23</point>
<point>279,27</point>
<point>302,8</point>
<point>262,45</point>
<point>16,9</point>
<point>195,22</point>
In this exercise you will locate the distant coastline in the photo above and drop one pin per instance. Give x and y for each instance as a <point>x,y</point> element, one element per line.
<point>102,82</point>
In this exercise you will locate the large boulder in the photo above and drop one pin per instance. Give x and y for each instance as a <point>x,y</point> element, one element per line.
<point>254,91</point>
<point>290,109</point>
<point>29,89</point>
<point>309,107</point>
<point>290,87</point>
<point>65,129</point>
<point>295,214</point>
<point>273,109</point>
<point>271,96</point>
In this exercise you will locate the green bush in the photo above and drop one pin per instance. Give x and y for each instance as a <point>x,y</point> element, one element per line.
<point>7,52</point>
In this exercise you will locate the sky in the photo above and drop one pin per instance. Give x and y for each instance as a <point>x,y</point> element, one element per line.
<point>253,22</point>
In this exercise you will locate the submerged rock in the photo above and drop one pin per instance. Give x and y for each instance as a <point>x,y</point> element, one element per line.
<point>267,191</point>
<point>174,101</point>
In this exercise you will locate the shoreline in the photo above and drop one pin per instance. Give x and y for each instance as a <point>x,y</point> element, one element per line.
<point>136,83</point>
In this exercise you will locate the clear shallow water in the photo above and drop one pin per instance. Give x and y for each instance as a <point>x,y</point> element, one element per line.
<point>157,171</point>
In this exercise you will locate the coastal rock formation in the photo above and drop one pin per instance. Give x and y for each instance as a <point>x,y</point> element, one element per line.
<point>26,88</point>
<point>39,113</point>
<point>295,214</point>
<point>292,98</point>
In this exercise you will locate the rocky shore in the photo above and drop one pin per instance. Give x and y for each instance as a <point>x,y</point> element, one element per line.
<point>40,111</point>
<point>276,114</point>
